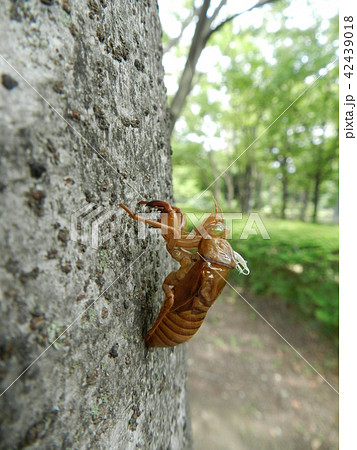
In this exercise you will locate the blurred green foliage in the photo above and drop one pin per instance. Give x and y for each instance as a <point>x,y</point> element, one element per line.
<point>270,105</point>
<point>299,265</point>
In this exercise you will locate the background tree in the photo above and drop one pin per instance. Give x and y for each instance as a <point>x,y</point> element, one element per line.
<point>104,140</point>
<point>207,23</point>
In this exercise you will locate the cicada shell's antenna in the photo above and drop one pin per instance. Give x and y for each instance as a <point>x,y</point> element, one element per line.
<point>221,212</point>
<point>215,204</point>
<point>217,207</point>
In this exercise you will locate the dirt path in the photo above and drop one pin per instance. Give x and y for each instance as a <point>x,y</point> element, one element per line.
<point>250,390</point>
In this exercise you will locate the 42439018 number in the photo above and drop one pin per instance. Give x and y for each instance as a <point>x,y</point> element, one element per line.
<point>348,46</point>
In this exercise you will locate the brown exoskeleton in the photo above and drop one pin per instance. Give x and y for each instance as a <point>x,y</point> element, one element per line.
<point>192,289</point>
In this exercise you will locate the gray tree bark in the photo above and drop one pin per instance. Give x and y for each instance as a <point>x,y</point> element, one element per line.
<point>103,140</point>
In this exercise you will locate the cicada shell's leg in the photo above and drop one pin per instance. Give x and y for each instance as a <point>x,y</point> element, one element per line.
<point>183,222</point>
<point>157,204</point>
<point>181,255</point>
<point>165,228</point>
<point>187,260</point>
<point>206,294</point>
<point>170,280</point>
<point>184,242</point>
<point>170,215</point>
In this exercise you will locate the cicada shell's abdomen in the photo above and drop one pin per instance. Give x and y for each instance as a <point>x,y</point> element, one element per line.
<point>177,328</point>
<point>180,325</point>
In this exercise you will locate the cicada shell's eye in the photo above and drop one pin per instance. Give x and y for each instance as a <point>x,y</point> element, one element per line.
<point>217,229</point>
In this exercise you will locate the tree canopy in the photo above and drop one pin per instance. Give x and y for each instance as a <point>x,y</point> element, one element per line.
<point>271,105</point>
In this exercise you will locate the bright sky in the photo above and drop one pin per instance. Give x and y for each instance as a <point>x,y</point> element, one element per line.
<point>301,13</point>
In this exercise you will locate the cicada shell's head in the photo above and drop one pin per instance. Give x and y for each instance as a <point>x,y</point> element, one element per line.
<point>214,224</point>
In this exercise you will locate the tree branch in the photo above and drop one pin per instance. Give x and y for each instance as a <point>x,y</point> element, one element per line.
<point>186,23</point>
<point>229,19</point>
<point>217,10</point>
<point>197,45</point>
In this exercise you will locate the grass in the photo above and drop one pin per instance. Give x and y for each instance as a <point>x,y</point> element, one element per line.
<point>298,264</point>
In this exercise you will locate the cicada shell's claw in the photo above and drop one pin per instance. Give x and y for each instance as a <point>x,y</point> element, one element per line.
<point>157,204</point>
<point>241,264</point>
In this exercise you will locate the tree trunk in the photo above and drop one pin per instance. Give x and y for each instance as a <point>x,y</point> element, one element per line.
<point>228,178</point>
<point>64,169</point>
<point>246,189</point>
<point>284,196</point>
<point>304,205</point>
<point>203,32</point>
<point>216,186</point>
<point>250,194</point>
<point>258,191</point>
<point>271,197</point>
<point>238,180</point>
<point>197,45</point>
<point>316,197</point>
<point>284,187</point>
<point>336,211</point>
